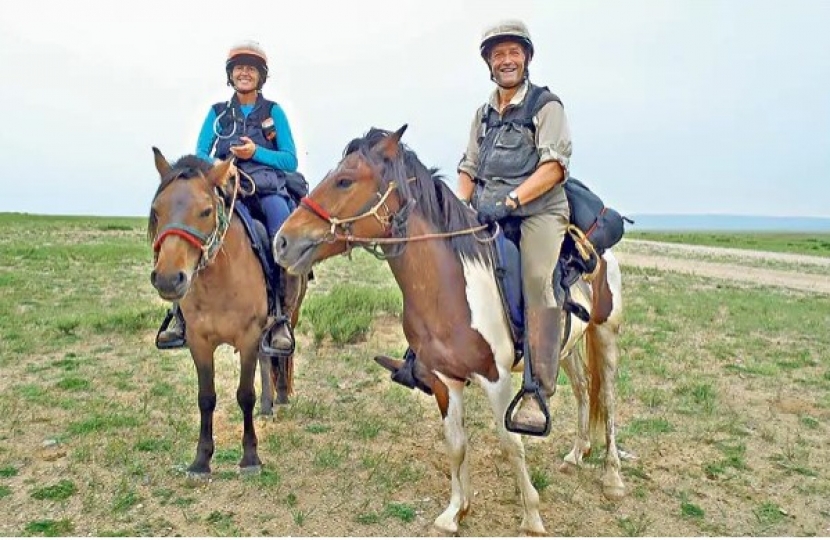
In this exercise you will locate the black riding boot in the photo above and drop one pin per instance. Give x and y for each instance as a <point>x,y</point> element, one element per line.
<point>171,334</point>
<point>404,373</point>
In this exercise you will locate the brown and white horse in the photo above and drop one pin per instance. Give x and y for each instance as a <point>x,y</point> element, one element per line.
<point>382,197</point>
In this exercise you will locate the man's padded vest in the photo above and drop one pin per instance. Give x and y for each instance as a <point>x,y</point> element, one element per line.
<point>509,156</point>
<point>508,153</point>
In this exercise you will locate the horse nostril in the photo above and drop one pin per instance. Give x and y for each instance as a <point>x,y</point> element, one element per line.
<point>153,276</point>
<point>180,278</point>
<point>280,244</point>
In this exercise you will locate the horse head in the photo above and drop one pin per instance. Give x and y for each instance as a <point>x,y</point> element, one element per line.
<point>187,220</point>
<point>359,198</point>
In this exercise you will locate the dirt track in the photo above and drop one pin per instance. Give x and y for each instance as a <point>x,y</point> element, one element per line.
<point>689,259</point>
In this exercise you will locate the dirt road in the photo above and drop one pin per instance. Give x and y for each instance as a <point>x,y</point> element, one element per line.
<point>803,272</point>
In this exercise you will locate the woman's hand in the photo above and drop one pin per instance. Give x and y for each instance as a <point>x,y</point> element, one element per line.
<point>246,151</point>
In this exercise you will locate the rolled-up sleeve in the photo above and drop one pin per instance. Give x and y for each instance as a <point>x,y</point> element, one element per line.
<point>469,161</point>
<point>553,135</point>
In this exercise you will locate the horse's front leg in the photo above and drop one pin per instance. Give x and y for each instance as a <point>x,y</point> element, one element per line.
<point>450,399</point>
<point>202,353</point>
<point>246,398</point>
<point>499,394</point>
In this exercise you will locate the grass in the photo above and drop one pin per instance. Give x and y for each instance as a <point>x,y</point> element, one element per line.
<point>803,243</point>
<point>704,370</point>
<point>55,492</point>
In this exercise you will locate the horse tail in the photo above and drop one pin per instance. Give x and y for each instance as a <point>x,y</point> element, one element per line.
<point>597,410</point>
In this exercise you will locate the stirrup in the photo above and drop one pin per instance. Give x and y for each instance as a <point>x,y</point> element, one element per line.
<point>523,429</point>
<point>403,372</point>
<point>265,342</point>
<point>165,324</point>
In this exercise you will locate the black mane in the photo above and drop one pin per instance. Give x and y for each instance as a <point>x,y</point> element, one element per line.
<point>434,199</point>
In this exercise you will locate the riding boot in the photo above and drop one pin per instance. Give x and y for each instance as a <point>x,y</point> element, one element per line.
<point>405,373</point>
<point>282,338</point>
<point>543,330</point>
<point>171,335</point>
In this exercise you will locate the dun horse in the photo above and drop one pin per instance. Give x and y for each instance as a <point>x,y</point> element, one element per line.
<point>381,196</point>
<point>205,261</point>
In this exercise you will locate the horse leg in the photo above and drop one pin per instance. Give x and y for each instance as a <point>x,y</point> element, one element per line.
<point>573,364</point>
<point>450,399</point>
<point>602,361</point>
<point>246,397</point>
<point>499,393</point>
<point>266,399</point>
<point>202,354</point>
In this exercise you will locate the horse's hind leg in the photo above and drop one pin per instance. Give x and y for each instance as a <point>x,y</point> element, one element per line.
<point>499,394</point>
<point>202,354</point>
<point>266,399</point>
<point>602,343</point>
<point>246,397</point>
<point>574,366</point>
<point>450,398</point>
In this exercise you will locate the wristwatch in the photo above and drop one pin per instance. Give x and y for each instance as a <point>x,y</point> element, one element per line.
<point>513,196</point>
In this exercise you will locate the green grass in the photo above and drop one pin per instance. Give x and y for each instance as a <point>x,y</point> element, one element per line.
<point>55,492</point>
<point>401,511</point>
<point>346,312</point>
<point>804,243</point>
<point>702,365</point>
<point>49,527</point>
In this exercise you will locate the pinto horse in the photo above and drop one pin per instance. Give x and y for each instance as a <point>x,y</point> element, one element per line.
<point>381,196</point>
<point>205,261</point>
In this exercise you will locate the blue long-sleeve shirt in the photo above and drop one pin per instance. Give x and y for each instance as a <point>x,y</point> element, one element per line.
<point>283,158</point>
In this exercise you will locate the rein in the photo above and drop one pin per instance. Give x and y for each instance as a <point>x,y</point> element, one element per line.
<point>388,221</point>
<point>208,244</point>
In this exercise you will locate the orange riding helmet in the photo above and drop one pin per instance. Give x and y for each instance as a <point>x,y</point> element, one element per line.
<point>248,53</point>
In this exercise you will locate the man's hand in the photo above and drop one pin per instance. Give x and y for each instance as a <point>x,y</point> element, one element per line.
<point>492,212</point>
<point>246,151</point>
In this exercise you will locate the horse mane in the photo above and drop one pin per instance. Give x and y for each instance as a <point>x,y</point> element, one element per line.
<point>432,197</point>
<point>184,168</point>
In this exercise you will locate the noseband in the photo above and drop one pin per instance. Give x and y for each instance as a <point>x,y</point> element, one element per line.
<point>210,243</point>
<point>394,225</point>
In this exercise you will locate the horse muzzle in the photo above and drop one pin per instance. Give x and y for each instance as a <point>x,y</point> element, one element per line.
<point>295,255</point>
<point>171,286</point>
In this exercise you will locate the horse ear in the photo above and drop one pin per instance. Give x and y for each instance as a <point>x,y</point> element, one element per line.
<point>162,166</point>
<point>389,145</point>
<point>218,175</point>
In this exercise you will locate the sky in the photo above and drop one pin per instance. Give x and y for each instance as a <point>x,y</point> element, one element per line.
<point>679,107</point>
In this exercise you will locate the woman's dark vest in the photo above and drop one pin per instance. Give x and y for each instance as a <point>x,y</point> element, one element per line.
<point>507,150</point>
<point>259,127</point>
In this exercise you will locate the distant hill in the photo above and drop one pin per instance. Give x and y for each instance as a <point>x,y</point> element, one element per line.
<point>725,222</point>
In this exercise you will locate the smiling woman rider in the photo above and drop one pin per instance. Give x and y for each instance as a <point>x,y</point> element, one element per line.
<point>256,131</point>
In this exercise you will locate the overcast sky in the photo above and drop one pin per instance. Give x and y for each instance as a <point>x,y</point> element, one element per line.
<point>698,106</point>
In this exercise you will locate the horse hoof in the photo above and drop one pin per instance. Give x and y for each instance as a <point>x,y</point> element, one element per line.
<point>568,468</point>
<point>532,527</point>
<point>251,470</point>
<point>439,531</point>
<point>613,493</point>
<point>194,478</point>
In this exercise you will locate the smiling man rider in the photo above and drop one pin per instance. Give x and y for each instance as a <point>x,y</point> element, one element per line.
<point>515,164</point>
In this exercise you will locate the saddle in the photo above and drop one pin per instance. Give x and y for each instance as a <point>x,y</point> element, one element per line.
<point>508,269</point>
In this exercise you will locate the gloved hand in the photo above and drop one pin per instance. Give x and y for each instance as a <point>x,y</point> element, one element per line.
<point>491,212</point>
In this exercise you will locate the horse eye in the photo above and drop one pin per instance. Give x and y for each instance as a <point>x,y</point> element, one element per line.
<point>206,212</point>
<point>344,182</point>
